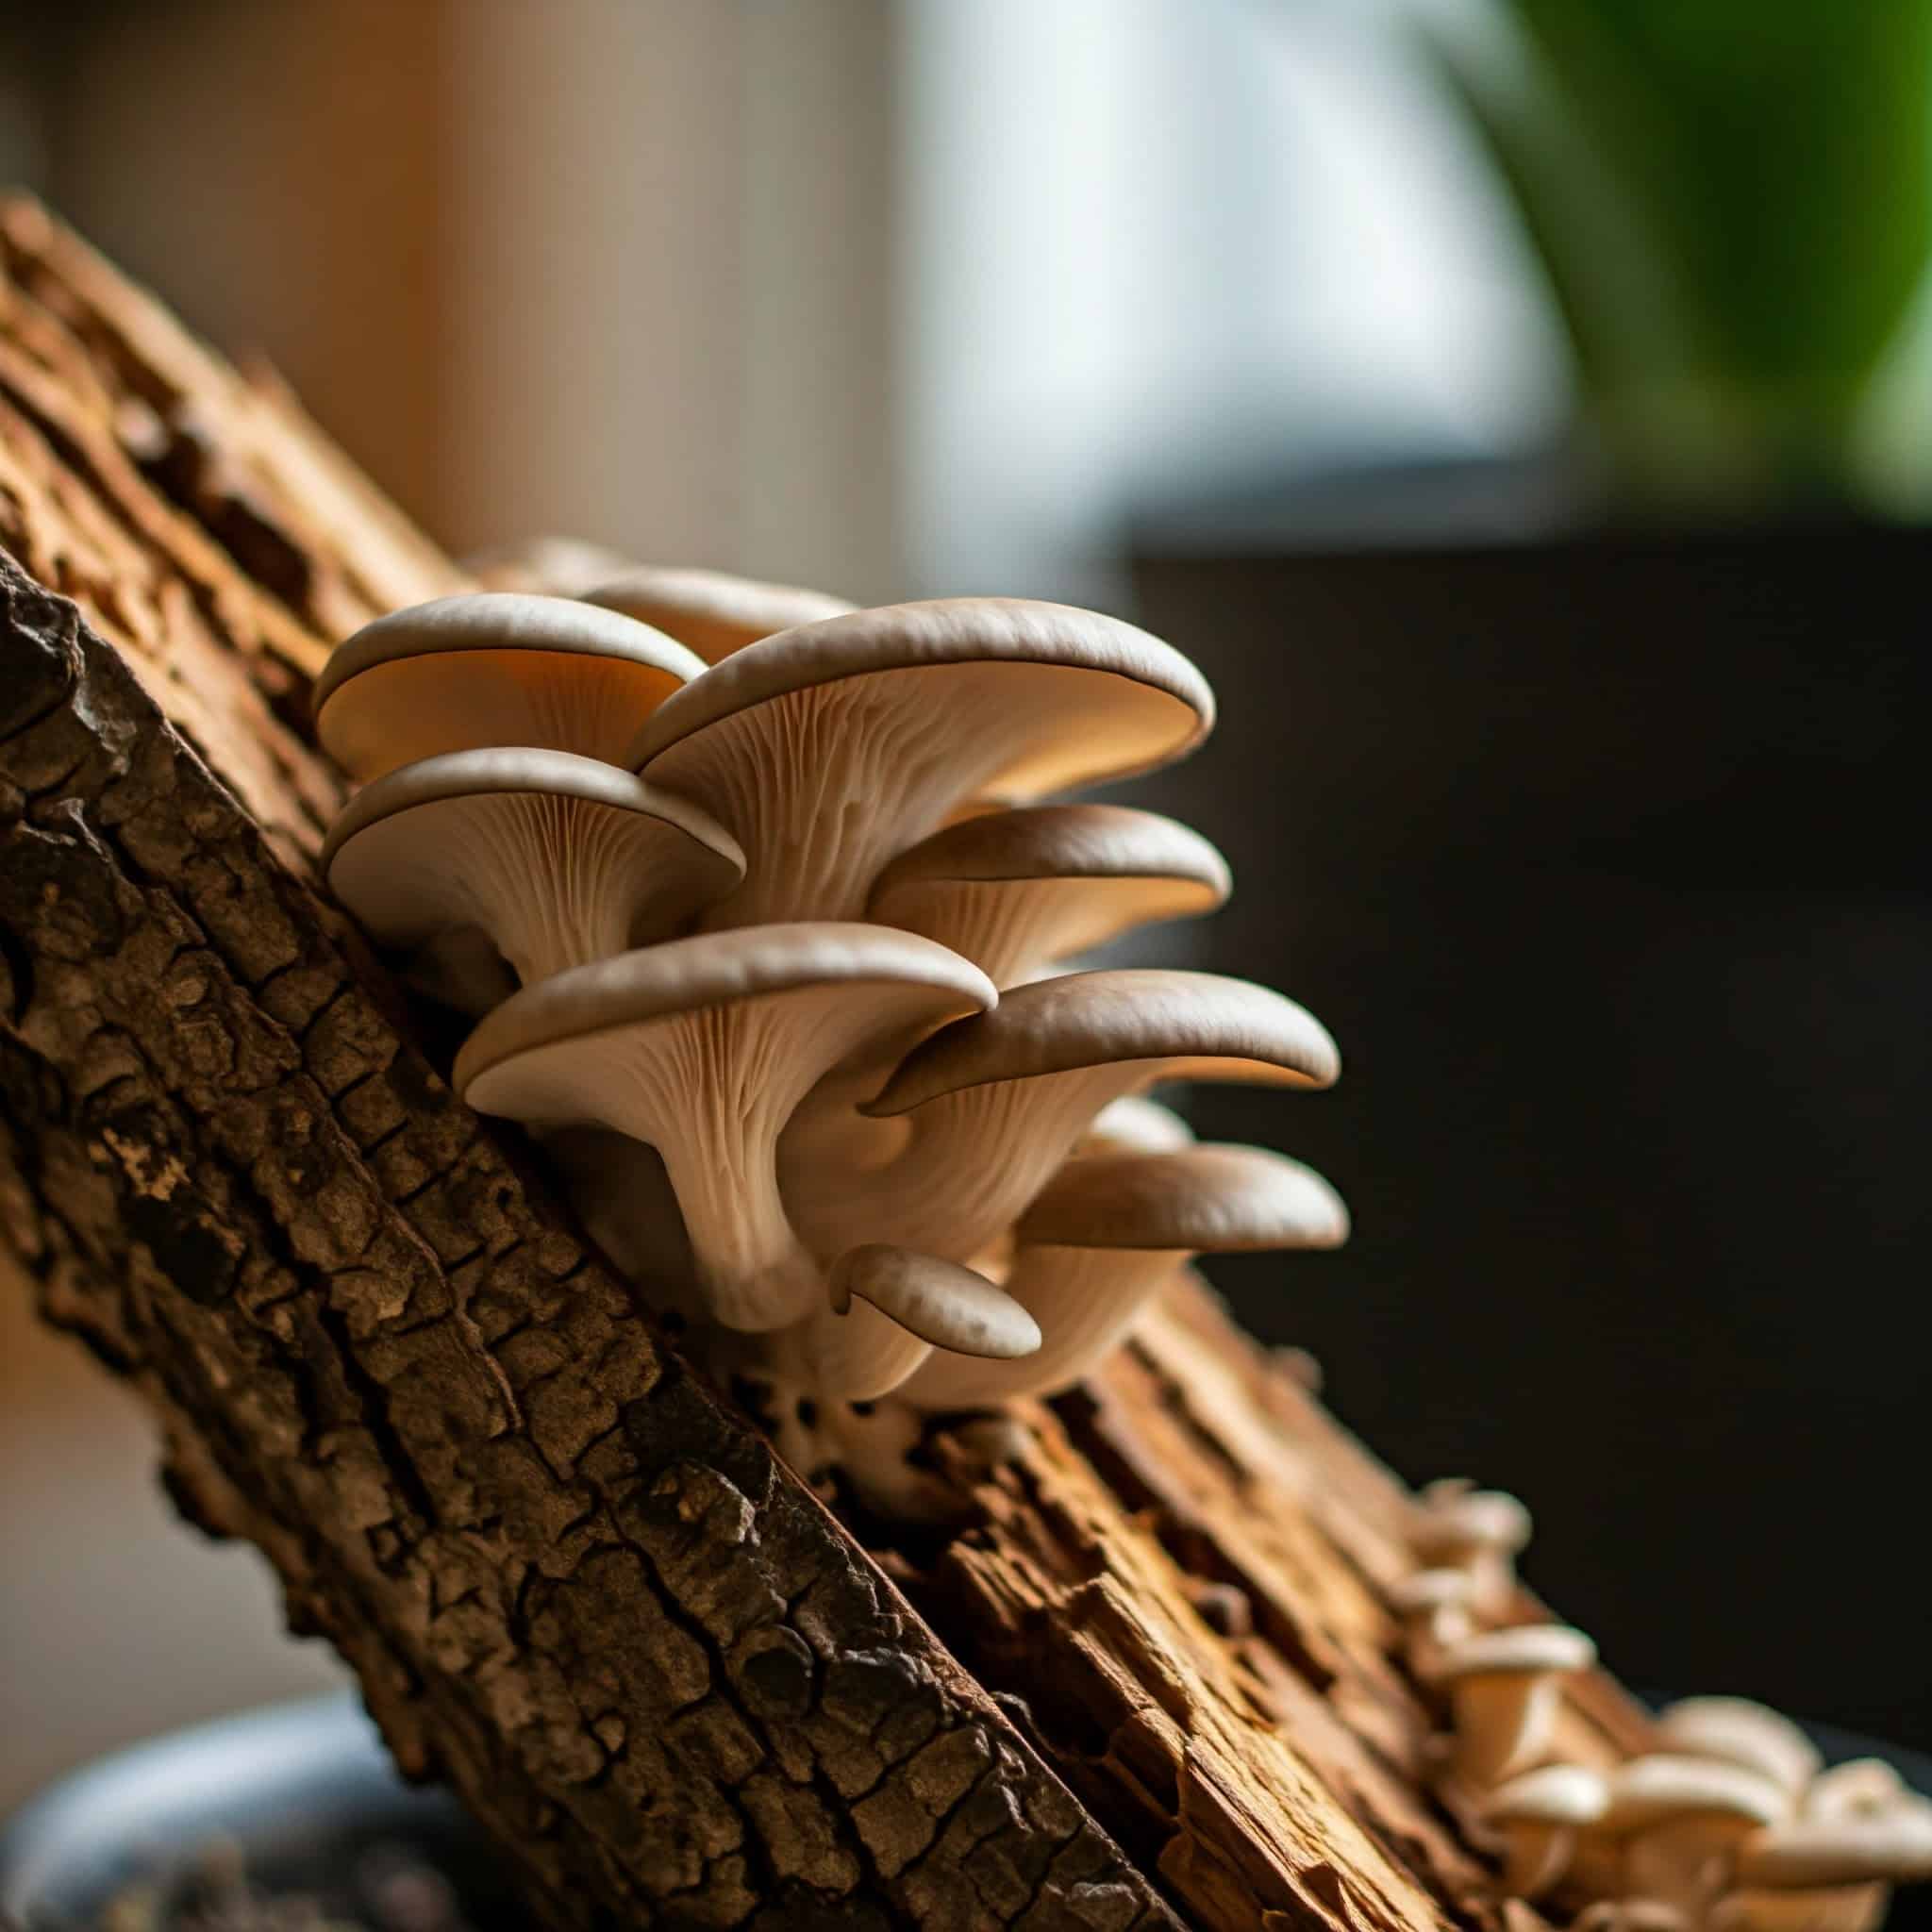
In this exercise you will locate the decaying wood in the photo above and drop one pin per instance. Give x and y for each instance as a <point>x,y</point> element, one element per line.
<point>572,1579</point>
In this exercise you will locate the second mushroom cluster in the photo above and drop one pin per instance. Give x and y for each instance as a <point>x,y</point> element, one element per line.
<point>763,919</point>
<point>1729,1822</point>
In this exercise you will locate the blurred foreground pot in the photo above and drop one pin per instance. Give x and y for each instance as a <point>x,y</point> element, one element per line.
<point>304,1793</point>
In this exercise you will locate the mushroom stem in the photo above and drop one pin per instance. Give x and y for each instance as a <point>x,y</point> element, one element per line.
<point>975,1159</point>
<point>1085,1301</point>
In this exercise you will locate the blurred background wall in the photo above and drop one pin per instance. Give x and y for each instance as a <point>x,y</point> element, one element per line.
<point>1519,409</point>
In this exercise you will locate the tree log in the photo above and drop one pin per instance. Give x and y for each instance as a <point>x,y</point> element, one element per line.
<point>1153,1679</point>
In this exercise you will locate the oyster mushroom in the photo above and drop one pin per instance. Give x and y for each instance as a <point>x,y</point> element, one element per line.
<point>493,668</point>
<point>1433,1605</point>
<point>890,1310</point>
<point>1502,1689</point>
<point>1016,890</point>
<point>1734,1730</point>
<point>1682,1818</point>
<point>1538,1815</point>
<point>1135,1125</point>
<point>829,748</point>
<point>1858,1786</point>
<point>1891,1847</point>
<point>711,612</point>
<point>1109,1231</point>
<point>997,1107</point>
<point>1463,1528</point>
<point>560,860</point>
<point>702,1047</point>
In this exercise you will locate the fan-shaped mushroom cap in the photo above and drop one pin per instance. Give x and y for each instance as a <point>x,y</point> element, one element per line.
<point>493,668</point>
<point>1108,1230</point>
<point>830,747</point>
<point>561,860</point>
<point>552,566</point>
<point>703,1047</point>
<point>996,1108</point>
<point>1434,1605</point>
<point>1458,1525</point>
<point>1016,890</point>
<point>1858,1785</point>
<point>1663,1785</point>
<point>1133,1124</point>
<point>887,1310</point>
<point>711,612</point>
<point>1737,1731</point>
<point>1538,1815</point>
<point>1893,1846</point>
<point>1502,1687</point>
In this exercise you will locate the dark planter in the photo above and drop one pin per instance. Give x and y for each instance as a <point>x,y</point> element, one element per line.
<point>1603,855</point>
<point>306,1793</point>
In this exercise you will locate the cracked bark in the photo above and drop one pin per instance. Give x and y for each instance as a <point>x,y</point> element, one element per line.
<point>1151,1683</point>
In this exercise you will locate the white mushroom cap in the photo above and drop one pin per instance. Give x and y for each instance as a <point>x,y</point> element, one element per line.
<point>1133,1124</point>
<point>493,668</point>
<point>1502,1687</point>
<point>1455,1520</point>
<point>703,1047</point>
<point>1663,1785</point>
<point>1016,890</point>
<point>888,1310</point>
<point>1108,1230</point>
<point>1551,1794</point>
<point>561,860</point>
<point>711,612</point>
<point>1857,1784</point>
<point>1435,1607</point>
<point>996,1108</point>
<point>831,747</point>
<point>1893,1846</point>
<point>1538,1815</point>
<point>1737,1731</point>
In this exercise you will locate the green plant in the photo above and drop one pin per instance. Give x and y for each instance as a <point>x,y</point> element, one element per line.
<point>1732,201</point>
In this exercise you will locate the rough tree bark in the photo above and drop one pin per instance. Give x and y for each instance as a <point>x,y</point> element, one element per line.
<point>1152,1682</point>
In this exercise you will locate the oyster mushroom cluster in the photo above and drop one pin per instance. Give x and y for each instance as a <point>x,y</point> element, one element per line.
<point>1729,1823</point>
<point>763,919</point>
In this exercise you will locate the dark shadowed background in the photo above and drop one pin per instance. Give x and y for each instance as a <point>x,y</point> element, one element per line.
<point>1520,409</point>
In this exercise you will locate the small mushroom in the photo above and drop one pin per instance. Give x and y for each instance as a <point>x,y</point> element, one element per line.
<point>1734,1730</point>
<point>560,860</point>
<point>1463,1528</point>
<point>1434,1606</point>
<point>831,747</point>
<point>1857,1786</point>
<point>1135,1125</point>
<point>1891,1846</point>
<point>711,612</point>
<point>1503,1687</point>
<point>1016,890</point>
<point>997,1107</point>
<point>702,1047</point>
<point>1538,1815</point>
<point>1109,1231</point>
<point>1682,1818</point>
<point>493,668</point>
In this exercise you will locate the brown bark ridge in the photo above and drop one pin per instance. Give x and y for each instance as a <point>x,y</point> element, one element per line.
<point>1152,1682</point>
